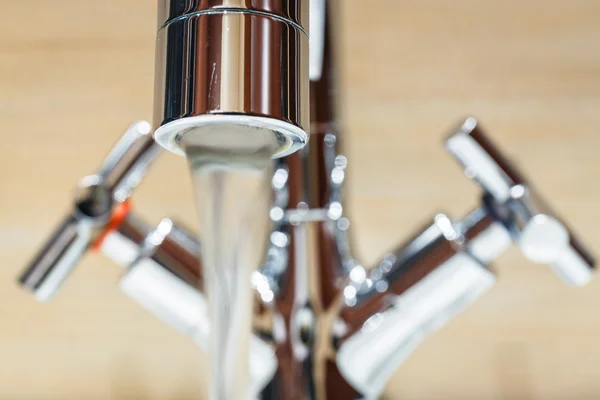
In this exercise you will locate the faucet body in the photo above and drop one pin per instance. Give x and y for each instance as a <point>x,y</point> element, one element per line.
<point>338,329</point>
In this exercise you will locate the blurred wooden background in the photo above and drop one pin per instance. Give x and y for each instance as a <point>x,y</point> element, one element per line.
<point>75,73</point>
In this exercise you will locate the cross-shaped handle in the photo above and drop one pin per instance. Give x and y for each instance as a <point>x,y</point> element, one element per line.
<point>95,207</point>
<point>542,236</point>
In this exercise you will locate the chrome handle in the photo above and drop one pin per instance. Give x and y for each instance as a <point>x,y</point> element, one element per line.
<point>70,241</point>
<point>67,244</point>
<point>129,160</point>
<point>95,204</point>
<point>541,235</point>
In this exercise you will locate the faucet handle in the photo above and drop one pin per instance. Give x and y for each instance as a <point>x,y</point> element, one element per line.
<point>482,161</point>
<point>128,161</point>
<point>541,235</point>
<point>101,199</point>
<point>55,261</point>
<point>75,235</point>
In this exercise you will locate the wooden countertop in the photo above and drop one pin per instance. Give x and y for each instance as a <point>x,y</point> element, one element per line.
<point>74,74</point>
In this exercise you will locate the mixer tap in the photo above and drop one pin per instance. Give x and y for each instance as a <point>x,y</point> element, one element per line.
<point>324,325</point>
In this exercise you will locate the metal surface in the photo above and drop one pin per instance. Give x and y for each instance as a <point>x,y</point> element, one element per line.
<point>124,244</point>
<point>97,196</point>
<point>292,11</point>
<point>232,62</point>
<point>389,310</point>
<point>59,256</point>
<point>163,276</point>
<point>310,258</point>
<point>542,236</point>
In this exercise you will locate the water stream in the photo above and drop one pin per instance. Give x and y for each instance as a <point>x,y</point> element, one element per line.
<point>231,170</point>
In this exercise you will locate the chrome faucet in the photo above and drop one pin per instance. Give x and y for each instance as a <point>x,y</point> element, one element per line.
<point>325,325</point>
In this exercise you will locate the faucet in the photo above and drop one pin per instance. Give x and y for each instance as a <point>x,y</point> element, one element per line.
<point>325,326</point>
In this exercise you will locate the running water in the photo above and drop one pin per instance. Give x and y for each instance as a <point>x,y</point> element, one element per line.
<point>231,170</point>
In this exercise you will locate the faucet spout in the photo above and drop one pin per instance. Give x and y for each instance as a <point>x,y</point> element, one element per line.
<point>235,63</point>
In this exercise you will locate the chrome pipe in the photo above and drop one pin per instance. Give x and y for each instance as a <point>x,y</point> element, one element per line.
<point>309,255</point>
<point>413,291</point>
